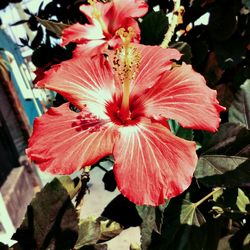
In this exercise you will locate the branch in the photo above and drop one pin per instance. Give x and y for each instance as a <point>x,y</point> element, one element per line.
<point>173,24</point>
<point>207,196</point>
<point>84,188</point>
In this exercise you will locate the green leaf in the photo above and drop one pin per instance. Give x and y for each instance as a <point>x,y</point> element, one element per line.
<point>180,131</point>
<point>152,219</point>
<point>239,111</point>
<point>93,229</point>
<point>153,28</point>
<point>109,228</point>
<point>89,232</point>
<point>223,171</point>
<point>217,195</point>
<point>50,218</point>
<point>242,200</point>
<point>52,26</point>
<point>147,214</point>
<point>159,211</point>
<point>190,215</point>
<point>231,139</point>
<point>183,225</point>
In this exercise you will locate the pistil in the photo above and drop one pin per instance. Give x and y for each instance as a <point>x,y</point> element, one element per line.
<point>126,64</point>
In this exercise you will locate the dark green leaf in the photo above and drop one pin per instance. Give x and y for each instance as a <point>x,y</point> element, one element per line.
<point>232,203</point>
<point>183,225</point>
<point>92,230</point>
<point>52,26</point>
<point>159,216</point>
<point>185,49</point>
<point>200,51</point>
<point>224,95</point>
<point>231,139</point>
<point>95,247</point>
<point>231,52</point>
<point>25,42</point>
<point>213,72</point>
<point>239,111</point>
<point>109,228</point>
<point>223,171</point>
<point>215,229</point>
<point>222,24</point>
<point>246,3</point>
<point>38,38</point>
<point>19,22</point>
<point>147,214</point>
<point>16,247</point>
<point>3,246</point>
<point>152,219</point>
<point>89,232</point>
<point>50,218</point>
<point>153,28</point>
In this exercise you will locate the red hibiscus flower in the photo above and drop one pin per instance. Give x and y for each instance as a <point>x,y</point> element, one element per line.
<point>126,117</point>
<point>104,21</point>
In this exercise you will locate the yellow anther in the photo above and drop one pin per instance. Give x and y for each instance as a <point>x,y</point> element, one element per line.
<point>126,36</point>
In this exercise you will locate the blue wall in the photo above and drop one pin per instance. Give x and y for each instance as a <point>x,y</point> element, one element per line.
<point>7,44</point>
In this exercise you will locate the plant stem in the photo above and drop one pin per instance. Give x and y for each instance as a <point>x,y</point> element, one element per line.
<point>84,188</point>
<point>196,204</point>
<point>173,24</point>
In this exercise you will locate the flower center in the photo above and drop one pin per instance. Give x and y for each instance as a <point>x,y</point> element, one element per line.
<point>126,64</point>
<point>97,15</point>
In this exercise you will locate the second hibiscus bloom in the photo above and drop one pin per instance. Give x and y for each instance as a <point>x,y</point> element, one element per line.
<point>104,22</point>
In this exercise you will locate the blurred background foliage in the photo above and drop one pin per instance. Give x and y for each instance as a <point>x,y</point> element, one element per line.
<point>213,36</point>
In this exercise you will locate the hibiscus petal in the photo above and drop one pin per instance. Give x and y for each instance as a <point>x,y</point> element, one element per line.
<point>154,61</point>
<point>64,141</point>
<point>81,33</point>
<point>121,10</point>
<point>151,164</point>
<point>182,95</point>
<point>83,81</point>
<point>130,8</point>
<point>91,48</point>
<point>88,9</point>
